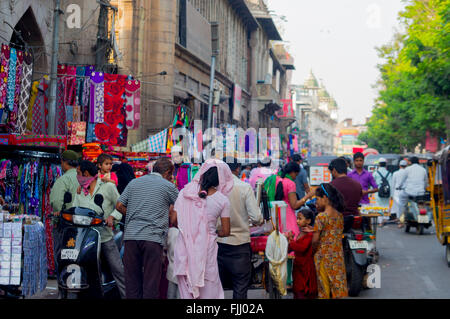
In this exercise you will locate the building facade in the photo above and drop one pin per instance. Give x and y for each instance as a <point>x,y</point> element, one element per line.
<point>316,113</point>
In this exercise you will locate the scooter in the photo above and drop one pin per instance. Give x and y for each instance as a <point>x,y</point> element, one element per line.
<point>416,207</point>
<point>356,256</point>
<point>82,273</point>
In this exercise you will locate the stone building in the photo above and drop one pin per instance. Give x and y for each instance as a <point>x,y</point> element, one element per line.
<point>316,112</point>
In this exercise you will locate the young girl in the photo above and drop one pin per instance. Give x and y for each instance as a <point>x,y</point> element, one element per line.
<point>327,243</point>
<point>104,164</point>
<point>304,272</point>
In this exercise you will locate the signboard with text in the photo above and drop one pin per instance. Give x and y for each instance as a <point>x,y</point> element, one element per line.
<point>319,175</point>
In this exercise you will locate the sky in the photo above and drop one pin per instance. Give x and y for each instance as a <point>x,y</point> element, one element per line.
<point>336,39</point>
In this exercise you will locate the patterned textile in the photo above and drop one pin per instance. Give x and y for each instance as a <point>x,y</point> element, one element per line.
<point>90,134</point>
<point>78,133</point>
<point>19,70</point>
<point>42,140</point>
<point>60,116</point>
<point>34,260</point>
<point>329,257</point>
<point>133,104</point>
<point>11,88</point>
<point>142,146</point>
<point>96,112</point>
<point>69,113</point>
<point>4,71</point>
<point>39,121</point>
<point>76,113</point>
<point>157,142</point>
<point>33,96</point>
<point>70,86</point>
<point>24,93</point>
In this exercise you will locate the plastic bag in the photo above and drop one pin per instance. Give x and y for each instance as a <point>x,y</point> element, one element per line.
<point>277,253</point>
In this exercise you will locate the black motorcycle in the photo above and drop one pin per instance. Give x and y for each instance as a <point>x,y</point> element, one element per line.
<point>355,254</point>
<point>82,272</point>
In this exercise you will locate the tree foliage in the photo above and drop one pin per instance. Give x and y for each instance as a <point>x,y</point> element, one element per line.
<point>415,80</point>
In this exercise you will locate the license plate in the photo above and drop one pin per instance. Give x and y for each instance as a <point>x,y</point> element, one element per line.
<point>354,244</point>
<point>69,254</point>
<point>423,219</point>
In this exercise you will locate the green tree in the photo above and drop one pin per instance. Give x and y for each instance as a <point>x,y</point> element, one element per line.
<point>415,80</point>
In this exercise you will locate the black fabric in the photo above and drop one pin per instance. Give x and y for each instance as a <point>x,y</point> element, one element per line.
<point>235,268</point>
<point>125,174</point>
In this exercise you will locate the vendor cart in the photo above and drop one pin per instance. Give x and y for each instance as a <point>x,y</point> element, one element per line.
<point>261,278</point>
<point>372,213</point>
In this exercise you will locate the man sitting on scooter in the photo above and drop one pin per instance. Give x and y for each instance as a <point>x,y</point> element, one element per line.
<point>92,185</point>
<point>414,183</point>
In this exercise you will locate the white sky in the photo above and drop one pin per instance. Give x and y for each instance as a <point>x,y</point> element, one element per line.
<point>337,40</point>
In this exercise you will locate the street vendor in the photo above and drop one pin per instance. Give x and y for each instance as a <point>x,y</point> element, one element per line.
<point>364,177</point>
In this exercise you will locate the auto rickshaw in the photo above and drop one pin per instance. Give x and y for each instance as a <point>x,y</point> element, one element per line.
<point>439,187</point>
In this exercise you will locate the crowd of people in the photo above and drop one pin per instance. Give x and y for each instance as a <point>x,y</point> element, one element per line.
<point>193,242</point>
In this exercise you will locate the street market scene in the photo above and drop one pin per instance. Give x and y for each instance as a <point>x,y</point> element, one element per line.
<point>224,149</point>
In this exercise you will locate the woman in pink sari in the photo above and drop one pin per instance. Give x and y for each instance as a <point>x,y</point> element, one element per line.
<point>198,207</point>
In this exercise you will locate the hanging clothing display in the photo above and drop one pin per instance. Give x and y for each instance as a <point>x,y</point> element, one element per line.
<point>33,96</point>
<point>96,112</point>
<point>11,86</point>
<point>60,115</point>
<point>19,68</point>
<point>27,74</point>
<point>39,119</point>
<point>133,103</point>
<point>78,133</point>
<point>4,72</point>
<point>157,142</point>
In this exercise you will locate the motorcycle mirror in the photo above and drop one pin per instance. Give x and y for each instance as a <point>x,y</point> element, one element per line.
<point>67,197</point>
<point>98,200</point>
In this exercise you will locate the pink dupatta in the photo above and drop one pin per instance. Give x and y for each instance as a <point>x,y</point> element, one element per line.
<point>192,243</point>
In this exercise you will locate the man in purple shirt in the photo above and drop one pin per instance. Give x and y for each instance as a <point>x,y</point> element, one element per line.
<point>364,177</point>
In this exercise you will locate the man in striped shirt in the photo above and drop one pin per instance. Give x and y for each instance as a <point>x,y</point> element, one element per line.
<point>146,202</point>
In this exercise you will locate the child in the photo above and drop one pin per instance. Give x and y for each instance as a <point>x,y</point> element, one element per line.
<point>104,164</point>
<point>304,272</point>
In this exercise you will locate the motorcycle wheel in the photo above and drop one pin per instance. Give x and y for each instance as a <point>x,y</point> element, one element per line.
<point>407,228</point>
<point>356,278</point>
<point>447,254</point>
<point>419,229</point>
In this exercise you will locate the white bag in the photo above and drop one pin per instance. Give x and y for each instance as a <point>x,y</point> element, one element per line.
<point>277,253</point>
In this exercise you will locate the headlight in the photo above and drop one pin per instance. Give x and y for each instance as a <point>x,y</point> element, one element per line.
<point>82,220</point>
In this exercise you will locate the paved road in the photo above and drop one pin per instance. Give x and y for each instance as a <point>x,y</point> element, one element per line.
<point>412,267</point>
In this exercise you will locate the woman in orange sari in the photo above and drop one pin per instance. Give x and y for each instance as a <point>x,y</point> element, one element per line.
<point>327,243</point>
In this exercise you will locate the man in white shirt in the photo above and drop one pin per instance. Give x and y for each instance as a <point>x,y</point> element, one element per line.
<point>397,187</point>
<point>234,255</point>
<point>414,182</point>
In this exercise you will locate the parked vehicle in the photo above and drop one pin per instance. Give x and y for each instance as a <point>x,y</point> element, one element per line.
<point>83,274</point>
<point>417,215</point>
<point>356,256</point>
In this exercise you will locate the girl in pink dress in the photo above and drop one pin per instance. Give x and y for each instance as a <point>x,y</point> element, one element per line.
<point>198,207</point>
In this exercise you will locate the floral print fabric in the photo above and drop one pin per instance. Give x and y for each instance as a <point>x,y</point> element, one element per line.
<point>4,71</point>
<point>97,97</point>
<point>133,104</point>
<point>330,257</point>
<point>11,88</point>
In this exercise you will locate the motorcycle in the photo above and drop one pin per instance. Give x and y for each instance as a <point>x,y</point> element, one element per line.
<point>356,255</point>
<point>82,272</point>
<point>416,214</point>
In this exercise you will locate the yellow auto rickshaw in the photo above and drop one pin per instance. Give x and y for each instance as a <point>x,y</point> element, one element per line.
<point>439,187</point>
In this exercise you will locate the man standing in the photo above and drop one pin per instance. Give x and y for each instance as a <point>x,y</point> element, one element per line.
<point>66,183</point>
<point>146,202</point>
<point>234,255</point>
<point>90,186</point>
<point>350,189</point>
<point>397,187</point>
<point>383,178</point>
<point>301,182</point>
<point>414,183</point>
<point>363,177</point>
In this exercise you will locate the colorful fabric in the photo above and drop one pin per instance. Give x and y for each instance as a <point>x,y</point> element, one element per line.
<point>330,256</point>
<point>39,120</point>
<point>142,146</point>
<point>157,142</point>
<point>70,86</point>
<point>42,140</point>
<point>19,69</point>
<point>22,111</point>
<point>11,88</point>
<point>4,72</point>
<point>96,112</point>
<point>78,133</point>
<point>133,104</point>
<point>33,96</point>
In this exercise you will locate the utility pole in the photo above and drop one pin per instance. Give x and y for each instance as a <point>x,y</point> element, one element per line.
<point>54,69</point>
<point>214,53</point>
